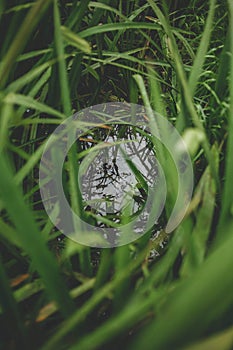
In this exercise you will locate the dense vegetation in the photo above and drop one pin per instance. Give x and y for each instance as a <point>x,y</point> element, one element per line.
<point>172,292</point>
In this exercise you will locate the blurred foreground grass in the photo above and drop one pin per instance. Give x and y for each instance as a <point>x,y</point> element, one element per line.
<point>58,57</point>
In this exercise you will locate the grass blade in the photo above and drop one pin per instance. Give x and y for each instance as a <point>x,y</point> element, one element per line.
<point>31,239</point>
<point>29,102</point>
<point>74,40</point>
<point>196,69</point>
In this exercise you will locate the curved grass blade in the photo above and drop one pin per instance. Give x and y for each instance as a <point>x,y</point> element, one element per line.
<point>197,67</point>
<point>29,102</point>
<point>104,28</point>
<point>74,40</point>
<point>32,240</point>
<point>76,196</point>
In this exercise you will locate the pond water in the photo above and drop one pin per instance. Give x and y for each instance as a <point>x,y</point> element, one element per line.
<point>122,187</point>
<point>120,173</point>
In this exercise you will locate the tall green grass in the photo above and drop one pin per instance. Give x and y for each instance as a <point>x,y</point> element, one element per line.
<point>57,294</point>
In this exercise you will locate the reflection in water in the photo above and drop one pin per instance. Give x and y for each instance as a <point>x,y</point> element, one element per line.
<point>122,190</point>
<point>116,178</point>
